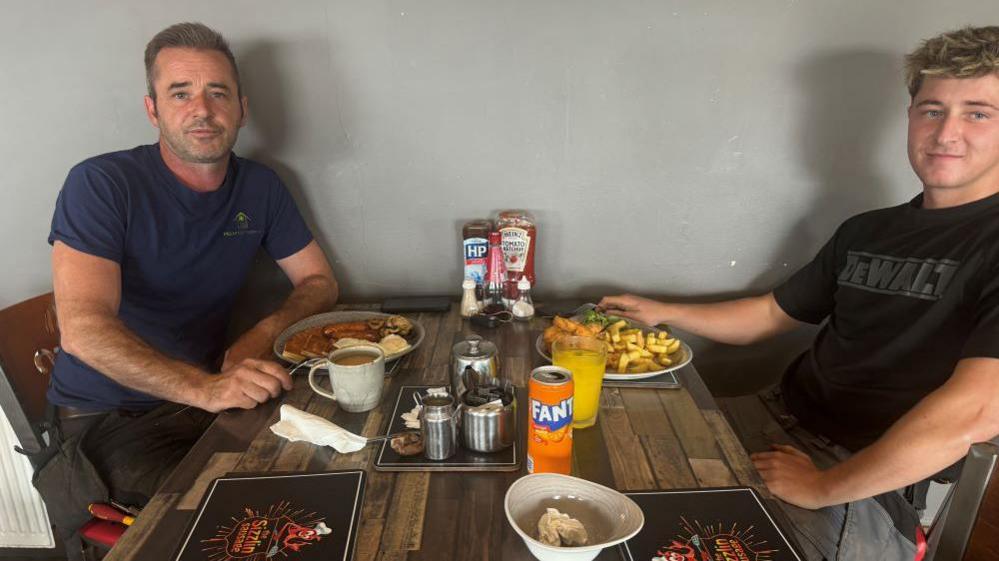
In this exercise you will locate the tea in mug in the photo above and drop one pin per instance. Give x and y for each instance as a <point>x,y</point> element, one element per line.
<point>355,359</point>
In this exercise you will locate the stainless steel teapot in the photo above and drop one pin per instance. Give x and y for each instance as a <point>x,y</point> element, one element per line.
<point>474,362</point>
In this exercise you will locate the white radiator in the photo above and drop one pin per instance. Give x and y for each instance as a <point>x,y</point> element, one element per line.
<point>23,520</point>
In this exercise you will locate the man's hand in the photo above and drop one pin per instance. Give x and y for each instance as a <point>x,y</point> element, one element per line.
<point>244,385</point>
<point>790,475</point>
<point>634,307</point>
<point>734,322</point>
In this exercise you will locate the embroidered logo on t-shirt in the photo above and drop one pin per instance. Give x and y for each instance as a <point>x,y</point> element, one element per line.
<point>926,279</point>
<point>241,226</point>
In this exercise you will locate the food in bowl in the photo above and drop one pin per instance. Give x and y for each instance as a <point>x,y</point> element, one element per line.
<point>560,529</point>
<point>609,516</point>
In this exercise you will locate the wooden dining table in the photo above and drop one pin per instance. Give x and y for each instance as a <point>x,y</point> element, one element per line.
<point>644,439</point>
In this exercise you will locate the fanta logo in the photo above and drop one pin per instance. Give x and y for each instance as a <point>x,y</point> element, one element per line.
<point>552,417</point>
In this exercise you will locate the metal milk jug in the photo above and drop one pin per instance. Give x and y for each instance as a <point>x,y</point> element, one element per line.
<point>439,427</point>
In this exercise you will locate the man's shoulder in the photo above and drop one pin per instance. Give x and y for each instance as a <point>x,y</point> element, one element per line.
<point>870,218</point>
<point>877,214</point>
<point>256,174</point>
<point>138,156</point>
<point>117,168</point>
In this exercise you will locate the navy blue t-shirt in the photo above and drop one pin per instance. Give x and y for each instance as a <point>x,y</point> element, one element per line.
<point>183,254</point>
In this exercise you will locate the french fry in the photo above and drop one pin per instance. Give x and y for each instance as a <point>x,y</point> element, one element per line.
<point>622,363</point>
<point>674,346</point>
<point>658,349</point>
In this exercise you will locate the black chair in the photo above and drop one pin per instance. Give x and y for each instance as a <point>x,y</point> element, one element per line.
<point>967,526</point>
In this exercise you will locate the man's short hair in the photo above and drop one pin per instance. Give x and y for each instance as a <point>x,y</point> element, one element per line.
<point>188,36</point>
<point>965,53</point>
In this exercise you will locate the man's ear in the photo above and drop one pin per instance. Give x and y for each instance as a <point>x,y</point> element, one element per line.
<point>244,104</point>
<point>151,111</point>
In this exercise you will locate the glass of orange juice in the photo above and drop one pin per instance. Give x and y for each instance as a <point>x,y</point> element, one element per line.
<point>586,358</point>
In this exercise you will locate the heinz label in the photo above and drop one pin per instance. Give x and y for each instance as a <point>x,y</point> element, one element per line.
<point>515,243</point>
<point>476,252</point>
<point>551,417</point>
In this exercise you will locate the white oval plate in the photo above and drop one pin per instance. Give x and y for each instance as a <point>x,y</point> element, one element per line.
<point>414,338</point>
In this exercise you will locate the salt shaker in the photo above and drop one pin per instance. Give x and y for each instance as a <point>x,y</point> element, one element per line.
<point>439,427</point>
<point>523,308</point>
<point>469,305</point>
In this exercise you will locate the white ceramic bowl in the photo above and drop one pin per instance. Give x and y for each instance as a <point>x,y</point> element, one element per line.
<point>608,516</point>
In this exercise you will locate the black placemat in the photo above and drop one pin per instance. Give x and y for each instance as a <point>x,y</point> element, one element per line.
<point>295,517</point>
<point>463,460</point>
<point>707,524</point>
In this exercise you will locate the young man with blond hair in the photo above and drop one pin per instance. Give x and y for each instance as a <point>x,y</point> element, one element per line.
<point>904,374</point>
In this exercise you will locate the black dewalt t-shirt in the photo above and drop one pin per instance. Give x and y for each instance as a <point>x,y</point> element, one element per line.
<point>908,292</point>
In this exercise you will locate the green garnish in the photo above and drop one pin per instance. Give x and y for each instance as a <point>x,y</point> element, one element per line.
<point>593,316</point>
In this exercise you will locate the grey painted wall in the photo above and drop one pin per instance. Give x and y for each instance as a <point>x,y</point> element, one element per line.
<point>693,148</point>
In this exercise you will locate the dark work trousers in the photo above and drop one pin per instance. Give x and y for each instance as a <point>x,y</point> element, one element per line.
<point>118,455</point>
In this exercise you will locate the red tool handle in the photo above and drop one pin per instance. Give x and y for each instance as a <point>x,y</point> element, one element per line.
<point>108,512</point>
<point>102,532</point>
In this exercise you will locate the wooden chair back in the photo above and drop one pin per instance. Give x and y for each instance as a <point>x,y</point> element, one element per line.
<point>29,337</point>
<point>967,526</point>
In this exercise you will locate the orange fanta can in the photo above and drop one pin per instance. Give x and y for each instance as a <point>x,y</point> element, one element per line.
<point>549,432</point>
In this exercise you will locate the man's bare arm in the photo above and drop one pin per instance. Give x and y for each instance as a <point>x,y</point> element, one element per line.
<point>937,432</point>
<point>315,291</point>
<point>735,322</point>
<point>88,293</point>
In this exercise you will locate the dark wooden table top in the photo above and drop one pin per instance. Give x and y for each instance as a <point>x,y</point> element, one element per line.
<point>643,439</point>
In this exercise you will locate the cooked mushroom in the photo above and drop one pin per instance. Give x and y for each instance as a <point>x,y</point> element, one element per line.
<point>408,444</point>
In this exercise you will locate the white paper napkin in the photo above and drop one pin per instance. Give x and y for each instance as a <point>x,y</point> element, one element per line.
<point>296,424</point>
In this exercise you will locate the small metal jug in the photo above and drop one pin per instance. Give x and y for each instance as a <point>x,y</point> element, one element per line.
<point>439,427</point>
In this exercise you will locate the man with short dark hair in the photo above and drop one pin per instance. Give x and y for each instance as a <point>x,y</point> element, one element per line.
<point>904,375</point>
<point>150,247</point>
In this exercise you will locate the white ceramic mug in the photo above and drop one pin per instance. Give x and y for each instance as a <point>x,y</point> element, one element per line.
<point>357,387</point>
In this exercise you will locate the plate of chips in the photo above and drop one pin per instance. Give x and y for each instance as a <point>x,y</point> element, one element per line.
<point>634,351</point>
